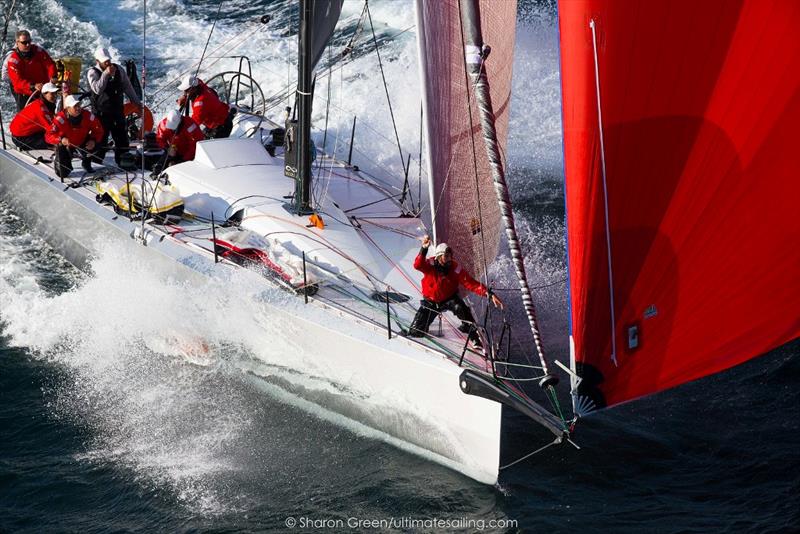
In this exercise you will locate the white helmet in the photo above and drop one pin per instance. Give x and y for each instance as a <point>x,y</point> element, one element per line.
<point>173,119</point>
<point>188,82</point>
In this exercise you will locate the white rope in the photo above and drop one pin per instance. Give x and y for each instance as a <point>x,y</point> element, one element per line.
<point>605,195</point>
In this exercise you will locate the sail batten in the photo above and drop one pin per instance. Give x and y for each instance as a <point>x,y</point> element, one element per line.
<point>699,104</point>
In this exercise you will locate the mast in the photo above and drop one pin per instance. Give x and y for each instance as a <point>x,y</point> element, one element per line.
<point>476,52</point>
<point>302,191</point>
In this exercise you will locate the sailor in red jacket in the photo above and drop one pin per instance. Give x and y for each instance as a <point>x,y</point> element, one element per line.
<point>29,68</point>
<point>440,282</point>
<point>179,136</point>
<point>30,125</point>
<point>74,130</point>
<point>207,109</point>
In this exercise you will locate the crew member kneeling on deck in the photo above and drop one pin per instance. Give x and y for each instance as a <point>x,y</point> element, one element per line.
<point>207,109</point>
<point>178,136</point>
<point>440,282</point>
<point>30,125</point>
<point>74,130</point>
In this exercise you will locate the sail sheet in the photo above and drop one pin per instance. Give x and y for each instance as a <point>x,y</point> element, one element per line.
<point>700,105</point>
<point>464,209</point>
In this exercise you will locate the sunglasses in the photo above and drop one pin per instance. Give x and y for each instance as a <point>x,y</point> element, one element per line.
<point>26,43</point>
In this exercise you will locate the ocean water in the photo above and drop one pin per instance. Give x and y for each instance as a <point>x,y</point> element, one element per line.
<point>105,425</point>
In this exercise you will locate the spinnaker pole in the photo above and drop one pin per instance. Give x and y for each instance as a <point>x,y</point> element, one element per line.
<point>476,52</point>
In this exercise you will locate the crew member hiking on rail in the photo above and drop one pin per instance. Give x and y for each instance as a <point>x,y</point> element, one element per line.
<point>178,136</point>
<point>108,82</point>
<point>441,279</point>
<point>30,125</point>
<point>74,130</point>
<point>29,68</point>
<point>207,109</point>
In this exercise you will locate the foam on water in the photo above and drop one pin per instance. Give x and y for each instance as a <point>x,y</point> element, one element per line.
<point>127,339</point>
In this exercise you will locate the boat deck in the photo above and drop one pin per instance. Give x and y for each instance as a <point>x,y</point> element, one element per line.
<point>368,209</point>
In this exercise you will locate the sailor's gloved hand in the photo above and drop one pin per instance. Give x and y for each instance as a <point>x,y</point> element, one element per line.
<point>65,141</point>
<point>496,301</point>
<point>172,151</point>
<point>90,144</point>
<point>38,86</point>
<point>426,241</point>
<point>182,100</point>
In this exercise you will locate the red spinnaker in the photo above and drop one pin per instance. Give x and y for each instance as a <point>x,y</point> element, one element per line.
<point>700,107</point>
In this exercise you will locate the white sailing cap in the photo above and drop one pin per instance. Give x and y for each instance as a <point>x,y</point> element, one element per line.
<point>101,54</point>
<point>173,119</point>
<point>50,88</point>
<point>71,101</point>
<point>187,82</point>
<point>440,250</point>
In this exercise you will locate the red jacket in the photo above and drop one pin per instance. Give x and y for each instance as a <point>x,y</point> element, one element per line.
<point>208,109</point>
<point>77,135</point>
<point>438,286</point>
<point>35,118</point>
<point>23,73</point>
<point>185,140</point>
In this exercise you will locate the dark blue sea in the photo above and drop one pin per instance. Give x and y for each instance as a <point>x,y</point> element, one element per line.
<point>105,427</point>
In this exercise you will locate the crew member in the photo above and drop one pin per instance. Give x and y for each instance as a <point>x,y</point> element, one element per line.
<point>30,125</point>
<point>29,68</point>
<point>441,279</point>
<point>75,130</point>
<point>178,136</point>
<point>207,109</point>
<point>108,82</point>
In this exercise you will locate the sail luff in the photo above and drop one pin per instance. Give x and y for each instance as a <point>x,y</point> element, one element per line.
<point>476,53</point>
<point>422,46</point>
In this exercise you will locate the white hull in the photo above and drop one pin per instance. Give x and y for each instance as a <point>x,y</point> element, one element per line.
<point>383,384</point>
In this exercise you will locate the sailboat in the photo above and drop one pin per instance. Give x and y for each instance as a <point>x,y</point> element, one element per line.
<point>246,207</point>
<point>670,175</point>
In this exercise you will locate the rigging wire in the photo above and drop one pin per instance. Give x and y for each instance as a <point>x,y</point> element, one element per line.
<point>556,441</point>
<point>7,14</point>
<point>210,33</point>
<point>385,85</point>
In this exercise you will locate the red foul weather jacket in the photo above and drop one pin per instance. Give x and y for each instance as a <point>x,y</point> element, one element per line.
<point>77,135</point>
<point>185,140</point>
<point>35,118</point>
<point>208,109</point>
<point>438,286</point>
<point>37,68</point>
